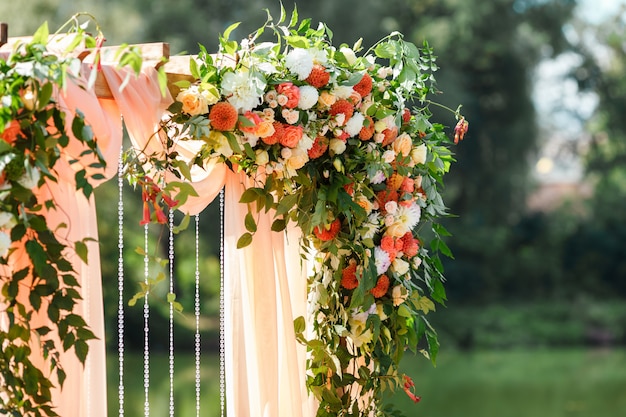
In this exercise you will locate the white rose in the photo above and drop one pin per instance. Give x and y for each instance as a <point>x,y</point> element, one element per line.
<point>337,146</point>
<point>7,220</point>
<point>30,179</point>
<point>418,154</point>
<point>400,266</point>
<point>262,157</point>
<point>5,244</point>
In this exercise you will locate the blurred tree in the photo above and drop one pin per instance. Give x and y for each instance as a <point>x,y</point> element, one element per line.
<point>596,252</point>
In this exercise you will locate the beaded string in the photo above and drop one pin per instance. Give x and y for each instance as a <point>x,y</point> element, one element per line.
<point>146,329</point>
<point>120,282</point>
<point>171,305</point>
<point>197,314</point>
<point>222,311</point>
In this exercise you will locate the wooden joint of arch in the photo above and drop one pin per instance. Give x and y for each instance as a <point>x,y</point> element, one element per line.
<point>153,54</point>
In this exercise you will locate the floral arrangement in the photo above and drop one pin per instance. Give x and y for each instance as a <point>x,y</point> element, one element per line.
<point>338,141</point>
<point>35,140</point>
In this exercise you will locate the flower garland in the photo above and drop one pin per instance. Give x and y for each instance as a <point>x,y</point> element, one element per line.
<point>338,141</point>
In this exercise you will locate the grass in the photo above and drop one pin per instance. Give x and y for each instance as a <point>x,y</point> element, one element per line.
<point>513,383</point>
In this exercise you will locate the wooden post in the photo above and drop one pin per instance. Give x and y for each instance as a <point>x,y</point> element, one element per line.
<point>4,33</point>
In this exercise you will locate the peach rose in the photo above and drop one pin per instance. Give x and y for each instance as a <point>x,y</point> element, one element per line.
<point>194,103</point>
<point>291,92</point>
<point>326,99</point>
<point>403,145</point>
<point>265,129</point>
<point>291,136</point>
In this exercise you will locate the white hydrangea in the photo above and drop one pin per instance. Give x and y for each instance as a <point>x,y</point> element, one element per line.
<point>308,97</point>
<point>300,62</point>
<point>355,124</point>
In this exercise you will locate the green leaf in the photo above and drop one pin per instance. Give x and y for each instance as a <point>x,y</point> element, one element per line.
<point>229,29</point>
<point>244,240</point>
<point>278,225</point>
<point>82,349</point>
<point>250,223</point>
<point>299,325</point>
<point>81,251</point>
<point>37,255</point>
<point>41,35</point>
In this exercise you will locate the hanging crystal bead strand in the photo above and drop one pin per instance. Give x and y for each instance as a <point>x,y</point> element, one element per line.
<point>146,329</point>
<point>120,281</point>
<point>222,310</point>
<point>197,314</point>
<point>171,305</point>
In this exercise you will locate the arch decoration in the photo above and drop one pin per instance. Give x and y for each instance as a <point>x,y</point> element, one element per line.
<point>332,171</point>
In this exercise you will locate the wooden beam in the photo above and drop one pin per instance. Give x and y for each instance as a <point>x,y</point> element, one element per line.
<point>4,33</point>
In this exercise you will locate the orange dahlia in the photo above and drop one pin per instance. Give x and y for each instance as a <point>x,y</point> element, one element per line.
<point>342,106</point>
<point>11,131</point>
<point>326,234</point>
<point>367,131</point>
<point>276,136</point>
<point>223,116</point>
<point>364,87</point>
<point>348,276</point>
<point>385,196</point>
<point>381,286</point>
<point>320,145</point>
<point>318,77</point>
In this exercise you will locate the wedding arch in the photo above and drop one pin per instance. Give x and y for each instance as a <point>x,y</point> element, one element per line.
<point>331,171</point>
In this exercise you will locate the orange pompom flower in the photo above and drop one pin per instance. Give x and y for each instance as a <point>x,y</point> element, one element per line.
<point>342,106</point>
<point>325,234</point>
<point>320,145</point>
<point>223,116</point>
<point>318,77</point>
<point>381,286</point>
<point>348,276</point>
<point>367,131</point>
<point>11,131</point>
<point>364,87</point>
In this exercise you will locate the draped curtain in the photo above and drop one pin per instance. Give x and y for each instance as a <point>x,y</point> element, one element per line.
<point>265,283</point>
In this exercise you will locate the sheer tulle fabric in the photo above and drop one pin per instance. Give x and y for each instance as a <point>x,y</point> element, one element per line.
<point>265,287</point>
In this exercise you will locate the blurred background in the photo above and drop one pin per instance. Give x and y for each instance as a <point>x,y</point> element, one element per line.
<point>535,323</point>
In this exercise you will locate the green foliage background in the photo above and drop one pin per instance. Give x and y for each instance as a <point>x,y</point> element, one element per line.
<point>510,261</point>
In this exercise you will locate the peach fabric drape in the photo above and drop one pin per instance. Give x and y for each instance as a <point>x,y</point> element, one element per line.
<point>265,287</point>
<point>84,391</point>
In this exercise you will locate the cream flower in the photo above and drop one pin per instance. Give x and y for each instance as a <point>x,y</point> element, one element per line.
<point>400,266</point>
<point>389,156</point>
<point>418,154</point>
<point>349,54</point>
<point>337,146</point>
<point>300,62</point>
<point>261,157</point>
<point>194,103</point>
<point>343,91</point>
<point>399,295</point>
<point>308,97</point>
<point>219,143</point>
